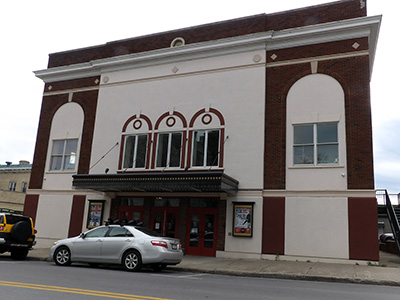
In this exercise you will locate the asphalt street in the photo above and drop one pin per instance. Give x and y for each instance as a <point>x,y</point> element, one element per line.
<point>44,280</point>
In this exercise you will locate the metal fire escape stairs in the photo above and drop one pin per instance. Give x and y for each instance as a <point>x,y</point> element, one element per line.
<point>393,220</point>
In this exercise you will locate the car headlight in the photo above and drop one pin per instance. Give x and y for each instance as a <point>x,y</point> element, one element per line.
<point>55,243</point>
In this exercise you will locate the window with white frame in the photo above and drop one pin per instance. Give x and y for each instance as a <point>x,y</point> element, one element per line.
<point>205,148</point>
<point>135,151</point>
<point>316,144</point>
<point>169,147</point>
<point>63,155</point>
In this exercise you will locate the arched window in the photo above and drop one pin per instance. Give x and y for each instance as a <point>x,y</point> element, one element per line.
<point>135,143</point>
<point>206,139</point>
<point>170,141</point>
<point>66,130</point>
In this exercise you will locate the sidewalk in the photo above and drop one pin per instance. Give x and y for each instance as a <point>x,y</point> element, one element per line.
<point>386,273</point>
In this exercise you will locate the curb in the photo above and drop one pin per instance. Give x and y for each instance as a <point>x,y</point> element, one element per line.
<point>291,276</point>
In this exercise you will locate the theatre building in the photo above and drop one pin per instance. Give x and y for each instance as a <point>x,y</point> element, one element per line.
<point>243,138</point>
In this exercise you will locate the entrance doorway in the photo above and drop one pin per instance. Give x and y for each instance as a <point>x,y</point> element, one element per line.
<point>130,208</point>
<point>165,216</point>
<point>201,234</point>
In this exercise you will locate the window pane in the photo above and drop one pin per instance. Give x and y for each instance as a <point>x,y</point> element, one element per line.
<point>98,232</point>
<point>212,148</point>
<point>198,148</point>
<point>162,150</point>
<point>327,133</point>
<point>71,146</point>
<point>69,162</point>
<point>303,134</point>
<point>119,232</point>
<point>175,156</point>
<point>328,154</point>
<point>303,154</point>
<point>55,163</point>
<point>141,151</point>
<point>129,151</point>
<point>58,148</point>
<point>203,202</point>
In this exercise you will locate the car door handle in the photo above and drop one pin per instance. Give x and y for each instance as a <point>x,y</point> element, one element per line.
<point>128,240</point>
<point>99,240</point>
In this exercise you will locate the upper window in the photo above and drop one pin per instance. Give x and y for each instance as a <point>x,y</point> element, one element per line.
<point>205,148</point>
<point>24,186</point>
<point>135,151</point>
<point>11,186</point>
<point>316,144</point>
<point>169,149</point>
<point>63,154</point>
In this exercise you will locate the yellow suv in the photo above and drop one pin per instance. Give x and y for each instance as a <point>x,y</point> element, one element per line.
<point>17,235</point>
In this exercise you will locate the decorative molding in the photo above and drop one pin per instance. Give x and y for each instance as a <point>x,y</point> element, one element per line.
<point>271,40</point>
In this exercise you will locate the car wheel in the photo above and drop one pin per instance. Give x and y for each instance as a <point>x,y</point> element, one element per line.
<point>158,267</point>
<point>21,231</point>
<point>132,261</point>
<point>62,256</point>
<point>19,253</point>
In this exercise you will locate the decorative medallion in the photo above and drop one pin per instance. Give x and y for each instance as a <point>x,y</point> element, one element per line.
<point>206,119</point>
<point>171,121</point>
<point>257,58</point>
<point>137,124</point>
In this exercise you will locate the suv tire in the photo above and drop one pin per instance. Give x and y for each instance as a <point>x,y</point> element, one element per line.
<point>21,231</point>
<point>19,253</point>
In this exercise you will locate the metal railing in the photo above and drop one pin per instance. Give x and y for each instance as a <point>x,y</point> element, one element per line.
<point>394,222</point>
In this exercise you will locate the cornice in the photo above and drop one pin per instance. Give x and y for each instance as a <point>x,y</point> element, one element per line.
<point>271,40</point>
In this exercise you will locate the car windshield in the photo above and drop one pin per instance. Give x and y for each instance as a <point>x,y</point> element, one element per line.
<point>148,231</point>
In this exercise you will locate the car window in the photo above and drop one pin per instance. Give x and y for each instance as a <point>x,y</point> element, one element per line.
<point>1,220</point>
<point>119,232</point>
<point>98,232</point>
<point>148,231</point>
<point>12,219</point>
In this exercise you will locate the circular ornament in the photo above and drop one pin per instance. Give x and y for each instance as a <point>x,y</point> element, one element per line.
<point>206,119</point>
<point>137,124</point>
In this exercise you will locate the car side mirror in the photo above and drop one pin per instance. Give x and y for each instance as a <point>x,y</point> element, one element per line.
<point>82,235</point>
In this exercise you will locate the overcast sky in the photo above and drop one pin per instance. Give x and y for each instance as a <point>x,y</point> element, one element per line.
<point>30,30</point>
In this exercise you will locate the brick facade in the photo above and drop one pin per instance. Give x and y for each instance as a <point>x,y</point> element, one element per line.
<point>50,104</point>
<point>347,61</point>
<point>340,10</point>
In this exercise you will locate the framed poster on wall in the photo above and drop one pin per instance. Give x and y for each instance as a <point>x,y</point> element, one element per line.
<point>243,219</point>
<point>95,213</point>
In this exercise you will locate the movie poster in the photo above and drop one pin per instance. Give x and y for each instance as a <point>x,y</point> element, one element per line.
<point>243,220</point>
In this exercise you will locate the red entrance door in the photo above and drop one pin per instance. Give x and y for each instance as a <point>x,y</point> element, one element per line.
<point>201,232</point>
<point>130,208</point>
<point>165,221</point>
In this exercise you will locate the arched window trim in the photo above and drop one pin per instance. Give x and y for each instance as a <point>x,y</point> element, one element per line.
<point>157,132</point>
<point>124,135</point>
<point>192,129</point>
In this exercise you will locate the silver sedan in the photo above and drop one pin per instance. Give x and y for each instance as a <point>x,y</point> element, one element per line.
<point>131,246</point>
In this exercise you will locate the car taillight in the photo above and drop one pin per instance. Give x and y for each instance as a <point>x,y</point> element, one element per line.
<point>1,228</point>
<point>35,231</point>
<point>180,246</point>
<point>160,243</point>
